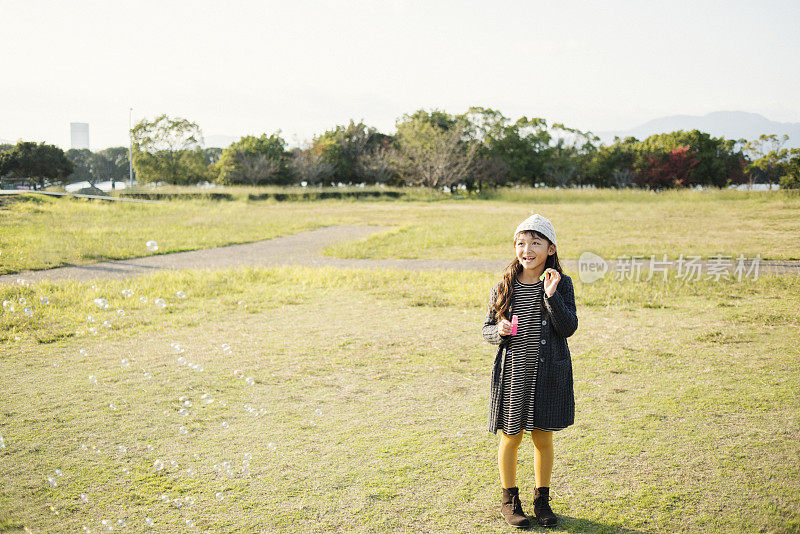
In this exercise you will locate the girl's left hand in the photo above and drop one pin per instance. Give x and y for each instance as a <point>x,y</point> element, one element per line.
<point>551,278</point>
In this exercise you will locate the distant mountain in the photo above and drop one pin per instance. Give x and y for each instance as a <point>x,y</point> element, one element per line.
<point>727,124</point>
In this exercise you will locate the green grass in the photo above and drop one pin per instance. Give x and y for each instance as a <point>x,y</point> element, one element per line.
<point>40,233</point>
<point>687,413</point>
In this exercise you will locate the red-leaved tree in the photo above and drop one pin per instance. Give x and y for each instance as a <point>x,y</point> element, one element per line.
<point>670,168</point>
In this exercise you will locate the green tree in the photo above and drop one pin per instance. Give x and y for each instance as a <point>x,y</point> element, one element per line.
<point>168,150</point>
<point>569,152</point>
<point>255,161</point>
<point>435,150</point>
<point>518,150</point>
<point>767,158</point>
<point>38,164</point>
<point>112,164</point>
<point>719,162</point>
<point>84,161</point>
<point>790,170</point>
<point>310,166</point>
<point>352,150</point>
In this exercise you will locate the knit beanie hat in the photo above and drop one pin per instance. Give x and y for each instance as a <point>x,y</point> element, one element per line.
<point>540,224</point>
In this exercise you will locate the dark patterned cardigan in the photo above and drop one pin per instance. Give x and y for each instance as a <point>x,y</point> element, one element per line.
<point>555,400</point>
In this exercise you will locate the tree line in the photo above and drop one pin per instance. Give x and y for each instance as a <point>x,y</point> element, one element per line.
<point>475,150</point>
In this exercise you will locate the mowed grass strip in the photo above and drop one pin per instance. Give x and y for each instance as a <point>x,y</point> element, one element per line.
<point>40,233</point>
<point>368,405</point>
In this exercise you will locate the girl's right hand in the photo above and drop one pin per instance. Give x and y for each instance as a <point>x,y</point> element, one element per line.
<point>504,327</point>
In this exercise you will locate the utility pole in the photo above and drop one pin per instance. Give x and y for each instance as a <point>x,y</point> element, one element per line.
<point>130,150</point>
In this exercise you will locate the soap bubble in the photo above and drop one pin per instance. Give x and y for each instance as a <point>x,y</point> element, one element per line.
<point>250,380</point>
<point>187,403</point>
<point>93,379</point>
<point>143,300</point>
<point>318,411</point>
<point>271,446</point>
<point>121,313</point>
<point>123,449</point>
<point>22,301</point>
<point>164,498</point>
<point>147,375</point>
<point>84,497</point>
<point>101,303</point>
<point>181,295</point>
<point>158,465</point>
<point>149,521</point>
<point>92,330</point>
<point>52,482</point>
<point>225,424</point>
<point>248,456</point>
<point>183,430</point>
<point>173,463</point>
<point>181,360</point>
<point>177,348</point>
<point>95,287</point>
<point>219,495</point>
<point>189,523</point>
<point>107,324</point>
<point>44,300</point>
<point>152,246</point>
<point>112,406</point>
<point>206,398</point>
<point>125,471</point>
<point>125,362</point>
<point>183,411</point>
<point>28,312</point>
<point>89,318</point>
<point>127,293</point>
<point>312,422</point>
<point>83,352</point>
<point>160,303</point>
<point>238,373</point>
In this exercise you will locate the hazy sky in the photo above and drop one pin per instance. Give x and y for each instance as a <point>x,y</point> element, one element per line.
<point>251,67</point>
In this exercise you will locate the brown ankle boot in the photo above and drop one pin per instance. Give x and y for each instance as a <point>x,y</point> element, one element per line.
<point>541,508</point>
<point>511,509</point>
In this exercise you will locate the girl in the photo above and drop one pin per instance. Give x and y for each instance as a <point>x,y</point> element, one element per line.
<point>531,383</point>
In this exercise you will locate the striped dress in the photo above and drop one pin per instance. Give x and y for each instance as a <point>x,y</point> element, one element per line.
<point>519,373</point>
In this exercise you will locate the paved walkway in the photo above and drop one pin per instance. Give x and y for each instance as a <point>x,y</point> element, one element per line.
<point>305,249</point>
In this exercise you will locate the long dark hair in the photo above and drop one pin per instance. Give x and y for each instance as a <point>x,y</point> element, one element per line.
<point>513,270</point>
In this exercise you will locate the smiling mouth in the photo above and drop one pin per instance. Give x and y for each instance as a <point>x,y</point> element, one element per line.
<point>527,259</point>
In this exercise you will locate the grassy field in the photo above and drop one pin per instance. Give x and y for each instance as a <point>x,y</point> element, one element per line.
<point>39,233</point>
<point>363,398</point>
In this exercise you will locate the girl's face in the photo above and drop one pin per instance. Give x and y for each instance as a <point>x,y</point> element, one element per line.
<point>532,251</point>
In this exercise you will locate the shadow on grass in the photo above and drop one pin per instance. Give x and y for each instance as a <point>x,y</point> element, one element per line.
<point>568,523</point>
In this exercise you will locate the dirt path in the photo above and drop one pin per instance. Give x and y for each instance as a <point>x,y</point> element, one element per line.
<point>300,249</point>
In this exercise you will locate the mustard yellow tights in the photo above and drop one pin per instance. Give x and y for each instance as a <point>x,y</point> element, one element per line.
<point>542,457</point>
